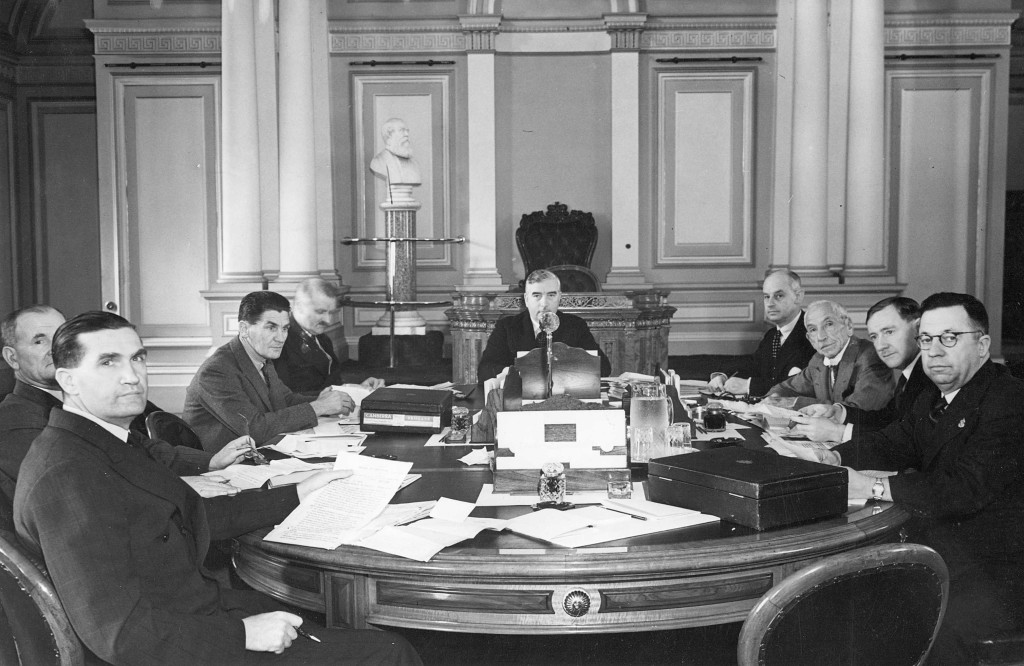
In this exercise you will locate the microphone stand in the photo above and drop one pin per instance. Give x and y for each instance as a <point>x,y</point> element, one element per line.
<point>551,365</point>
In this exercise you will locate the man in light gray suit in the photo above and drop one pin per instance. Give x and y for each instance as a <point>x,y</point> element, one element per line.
<point>237,390</point>
<point>845,369</point>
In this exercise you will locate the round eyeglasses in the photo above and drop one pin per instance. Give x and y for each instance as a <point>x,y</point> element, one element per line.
<point>947,339</point>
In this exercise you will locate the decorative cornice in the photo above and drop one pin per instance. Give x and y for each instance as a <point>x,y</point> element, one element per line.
<point>944,30</point>
<point>714,35</point>
<point>155,37</point>
<point>480,31</point>
<point>443,40</point>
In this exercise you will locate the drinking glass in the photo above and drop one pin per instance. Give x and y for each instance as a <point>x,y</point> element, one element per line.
<point>619,486</point>
<point>679,439</point>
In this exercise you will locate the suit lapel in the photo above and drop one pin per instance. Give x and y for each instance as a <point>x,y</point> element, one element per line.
<point>133,465</point>
<point>844,371</point>
<point>250,373</point>
<point>961,417</point>
<point>36,395</point>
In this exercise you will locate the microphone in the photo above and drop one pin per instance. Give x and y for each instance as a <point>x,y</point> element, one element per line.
<point>548,322</point>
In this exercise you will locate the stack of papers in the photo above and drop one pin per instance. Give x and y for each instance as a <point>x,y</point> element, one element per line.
<point>247,477</point>
<point>448,524</point>
<point>334,514</point>
<point>319,446</point>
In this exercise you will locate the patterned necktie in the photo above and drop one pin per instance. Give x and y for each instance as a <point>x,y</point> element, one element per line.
<point>542,339</point>
<point>938,408</point>
<point>776,348</point>
<point>265,371</point>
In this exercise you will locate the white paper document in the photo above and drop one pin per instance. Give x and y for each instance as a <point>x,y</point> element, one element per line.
<point>332,514</point>
<point>590,525</point>
<point>318,446</point>
<point>488,497</point>
<point>424,539</point>
<point>246,477</point>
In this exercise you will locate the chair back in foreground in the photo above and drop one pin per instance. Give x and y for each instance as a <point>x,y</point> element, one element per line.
<point>172,429</point>
<point>874,605</point>
<point>36,628</point>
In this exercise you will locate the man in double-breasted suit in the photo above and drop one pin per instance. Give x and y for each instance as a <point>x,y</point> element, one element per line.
<point>237,391</point>
<point>959,470</point>
<point>784,350</point>
<point>522,332</point>
<point>124,539</point>
<point>845,368</point>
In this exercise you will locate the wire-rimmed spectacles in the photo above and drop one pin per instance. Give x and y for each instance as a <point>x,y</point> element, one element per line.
<point>947,339</point>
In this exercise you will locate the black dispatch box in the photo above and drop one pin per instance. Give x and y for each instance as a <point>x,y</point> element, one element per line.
<point>753,487</point>
<point>406,410</point>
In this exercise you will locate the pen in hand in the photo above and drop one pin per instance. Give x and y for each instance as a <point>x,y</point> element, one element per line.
<point>305,634</point>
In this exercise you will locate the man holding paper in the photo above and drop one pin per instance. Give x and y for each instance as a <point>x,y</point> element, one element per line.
<point>237,391</point>
<point>308,363</point>
<point>123,539</point>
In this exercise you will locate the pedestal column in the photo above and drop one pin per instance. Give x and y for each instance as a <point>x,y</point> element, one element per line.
<point>400,222</point>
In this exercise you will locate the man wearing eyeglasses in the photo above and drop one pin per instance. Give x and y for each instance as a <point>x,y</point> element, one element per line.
<point>957,466</point>
<point>845,368</point>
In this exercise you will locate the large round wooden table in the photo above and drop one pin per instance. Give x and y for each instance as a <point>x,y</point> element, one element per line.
<point>506,583</point>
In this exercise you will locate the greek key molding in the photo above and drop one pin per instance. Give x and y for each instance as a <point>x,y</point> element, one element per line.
<point>181,39</point>
<point>429,40</point>
<point>958,30</point>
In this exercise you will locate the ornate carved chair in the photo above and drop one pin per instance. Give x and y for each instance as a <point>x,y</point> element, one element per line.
<point>561,241</point>
<point>841,610</point>
<point>36,628</point>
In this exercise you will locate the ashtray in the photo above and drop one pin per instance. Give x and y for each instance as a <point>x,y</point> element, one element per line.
<point>560,506</point>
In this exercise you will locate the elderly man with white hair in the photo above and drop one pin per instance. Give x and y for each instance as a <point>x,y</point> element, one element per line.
<point>845,370</point>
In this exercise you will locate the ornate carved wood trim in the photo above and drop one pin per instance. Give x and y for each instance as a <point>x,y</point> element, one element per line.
<point>947,30</point>
<point>155,37</point>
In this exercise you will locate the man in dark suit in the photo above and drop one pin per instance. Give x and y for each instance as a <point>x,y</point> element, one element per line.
<point>237,391</point>
<point>844,368</point>
<point>123,539</point>
<point>307,363</point>
<point>892,328</point>
<point>522,332</point>
<point>27,334</point>
<point>959,470</point>
<point>784,350</point>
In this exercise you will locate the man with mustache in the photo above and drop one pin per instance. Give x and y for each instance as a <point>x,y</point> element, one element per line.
<point>307,363</point>
<point>845,368</point>
<point>237,391</point>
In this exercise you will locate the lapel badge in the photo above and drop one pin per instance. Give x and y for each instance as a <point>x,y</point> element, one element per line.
<point>962,423</point>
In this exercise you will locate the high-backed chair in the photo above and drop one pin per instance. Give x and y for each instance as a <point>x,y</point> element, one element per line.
<point>172,429</point>
<point>874,605</point>
<point>36,628</point>
<point>561,241</point>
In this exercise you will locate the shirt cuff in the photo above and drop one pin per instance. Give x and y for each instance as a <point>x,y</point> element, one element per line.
<point>848,432</point>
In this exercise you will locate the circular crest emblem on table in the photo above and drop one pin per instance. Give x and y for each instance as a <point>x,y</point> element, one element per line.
<point>576,603</point>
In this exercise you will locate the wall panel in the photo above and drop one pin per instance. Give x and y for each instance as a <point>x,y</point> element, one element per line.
<point>8,281</point>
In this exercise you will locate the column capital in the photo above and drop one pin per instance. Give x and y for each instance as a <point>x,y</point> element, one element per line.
<point>625,30</point>
<point>480,31</point>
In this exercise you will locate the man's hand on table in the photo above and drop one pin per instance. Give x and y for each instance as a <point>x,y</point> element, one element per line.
<point>373,383</point>
<point>331,402</point>
<point>210,486</point>
<point>319,480</point>
<point>234,451</point>
<point>818,428</point>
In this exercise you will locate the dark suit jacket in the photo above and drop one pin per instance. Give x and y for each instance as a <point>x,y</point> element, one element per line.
<point>303,367</point>
<point>23,415</point>
<point>228,387</point>
<point>796,352</point>
<point>515,334</point>
<point>862,380</point>
<point>962,477</point>
<point>865,421</point>
<point>123,540</point>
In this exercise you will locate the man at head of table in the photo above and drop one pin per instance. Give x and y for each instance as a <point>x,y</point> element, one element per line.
<point>892,328</point>
<point>955,462</point>
<point>522,332</point>
<point>237,391</point>
<point>124,539</point>
<point>844,369</point>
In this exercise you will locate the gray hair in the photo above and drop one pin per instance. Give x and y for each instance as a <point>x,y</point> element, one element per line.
<point>834,308</point>
<point>9,326</point>
<point>540,275</point>
<point>307,288</point>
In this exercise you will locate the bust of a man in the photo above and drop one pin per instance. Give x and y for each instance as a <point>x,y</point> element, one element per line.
<point>395,163</point>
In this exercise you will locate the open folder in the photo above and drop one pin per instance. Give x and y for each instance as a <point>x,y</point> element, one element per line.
<point>598,524</point>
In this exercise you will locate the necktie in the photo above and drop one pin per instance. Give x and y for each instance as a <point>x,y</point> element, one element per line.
<point>938,408</point>
<point>542,339</point>
<point>776,348</point>
<point>901,384</point>
<point>135,439</point>
<point>832,382</point>
<point>265,371</point>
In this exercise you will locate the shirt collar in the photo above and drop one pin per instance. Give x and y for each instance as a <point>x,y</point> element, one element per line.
<point>786,329</point>
<point>116,431</point>
<point>952,394</point>
<point>838,357</point>
<point>256,359</point>
<point>907,371</point>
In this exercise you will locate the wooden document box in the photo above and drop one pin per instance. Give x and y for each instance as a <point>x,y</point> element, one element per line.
<point>406,410</point>
<point>753,487</point>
